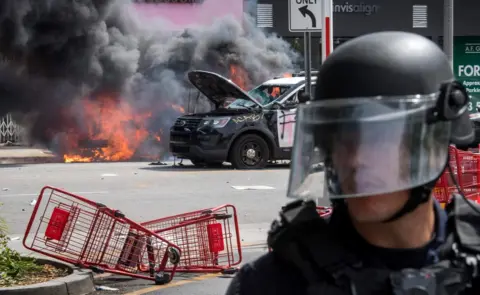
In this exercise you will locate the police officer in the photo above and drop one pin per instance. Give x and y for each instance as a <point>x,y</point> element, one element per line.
<point>385,110</point>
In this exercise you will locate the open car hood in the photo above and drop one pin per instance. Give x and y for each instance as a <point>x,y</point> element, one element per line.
<point>217,88</point>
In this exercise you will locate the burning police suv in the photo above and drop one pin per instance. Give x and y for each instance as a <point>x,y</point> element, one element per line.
<point>247,129</point>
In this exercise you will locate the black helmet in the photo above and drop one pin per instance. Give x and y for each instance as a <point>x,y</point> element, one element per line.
<point>385,110</point>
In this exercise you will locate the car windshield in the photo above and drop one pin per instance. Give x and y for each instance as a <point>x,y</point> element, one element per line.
<point>264,94</point>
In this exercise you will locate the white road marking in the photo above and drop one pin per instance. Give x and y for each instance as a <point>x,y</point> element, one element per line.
<point>252,187</point>
<point>36,194</point>
<point>108,175</point>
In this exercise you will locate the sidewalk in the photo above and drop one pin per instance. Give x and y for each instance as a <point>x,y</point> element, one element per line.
<point>26,155</point>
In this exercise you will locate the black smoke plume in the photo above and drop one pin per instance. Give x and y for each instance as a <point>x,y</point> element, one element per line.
<point>59,51</point>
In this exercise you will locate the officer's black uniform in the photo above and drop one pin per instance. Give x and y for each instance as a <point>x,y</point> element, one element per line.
<point>272,275</point>
<point>397,72</point>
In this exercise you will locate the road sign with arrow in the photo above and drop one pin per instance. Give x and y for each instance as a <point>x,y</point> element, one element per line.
<point>305,15</point>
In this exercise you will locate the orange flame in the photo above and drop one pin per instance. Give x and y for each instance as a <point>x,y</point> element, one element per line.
<point>178,108</point>
<point>113,122</point>
<point>116,125</point>
<point>287,75</point>
<point>239,76</point>
<point>275,92</point>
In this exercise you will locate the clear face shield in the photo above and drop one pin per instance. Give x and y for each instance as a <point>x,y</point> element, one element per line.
<point>368,146</point>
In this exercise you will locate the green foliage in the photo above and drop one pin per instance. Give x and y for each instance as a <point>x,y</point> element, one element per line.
<point>13,266</point>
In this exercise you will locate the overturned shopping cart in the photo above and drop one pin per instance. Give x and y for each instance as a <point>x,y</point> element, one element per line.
<point>90,235</point>
<point>209,238</point>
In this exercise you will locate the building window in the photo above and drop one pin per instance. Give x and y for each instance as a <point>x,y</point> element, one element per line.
<point>265,15</point>
<point>420,16</point>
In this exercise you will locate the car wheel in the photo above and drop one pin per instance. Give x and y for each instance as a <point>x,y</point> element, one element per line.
<point>250,152</point>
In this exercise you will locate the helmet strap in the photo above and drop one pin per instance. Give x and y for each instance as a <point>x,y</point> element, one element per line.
<point>418,196</point>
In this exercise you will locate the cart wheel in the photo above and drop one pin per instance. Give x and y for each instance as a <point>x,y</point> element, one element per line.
<point>96,269</point>
<point>162,278</point>
<point>100,205</point>
<point>222,216</point>
<point>206,212</point>
<point>173,255</point>
<point>119,214</point>
<point>229,271</point>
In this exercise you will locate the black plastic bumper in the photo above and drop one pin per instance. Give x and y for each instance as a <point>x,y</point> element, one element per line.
<point>197,152</point>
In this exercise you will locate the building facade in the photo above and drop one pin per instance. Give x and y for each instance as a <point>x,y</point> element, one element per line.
<point>180,14</point>
<point>357,17</point>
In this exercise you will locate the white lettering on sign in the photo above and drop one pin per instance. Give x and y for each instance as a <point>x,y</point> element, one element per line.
<point>367,9</point>
<point>469,70</point>
<point>470,106</point>
<point>306,1</point>
<point>472,48</point>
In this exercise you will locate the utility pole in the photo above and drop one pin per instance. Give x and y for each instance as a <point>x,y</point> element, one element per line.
<point>448,29</point>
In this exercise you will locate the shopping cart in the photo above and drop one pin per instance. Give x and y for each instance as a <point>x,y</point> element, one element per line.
<point>209,239</point>
<point>465,166</point>
<point>75,230</point>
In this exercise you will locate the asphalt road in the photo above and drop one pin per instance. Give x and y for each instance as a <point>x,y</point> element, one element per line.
<point>144,192</point>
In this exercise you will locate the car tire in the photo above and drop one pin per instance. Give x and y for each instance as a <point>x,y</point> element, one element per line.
<point>250,151</point>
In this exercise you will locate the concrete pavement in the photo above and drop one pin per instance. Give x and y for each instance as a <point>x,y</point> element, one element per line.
<point>26,155</point>
<point>144,192</point>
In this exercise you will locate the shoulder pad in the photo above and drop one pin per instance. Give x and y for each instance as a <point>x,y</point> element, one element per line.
<point>295,215</point>
<point>464,222</point>
<point>305,240</point>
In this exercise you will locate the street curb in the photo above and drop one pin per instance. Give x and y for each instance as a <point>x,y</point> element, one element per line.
<point>79,282</point>
<point>30,160</point>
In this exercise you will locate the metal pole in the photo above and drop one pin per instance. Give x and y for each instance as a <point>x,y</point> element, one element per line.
<point>448,29</point>
<point>307,36</point>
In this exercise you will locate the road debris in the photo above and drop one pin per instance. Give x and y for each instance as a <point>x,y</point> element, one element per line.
<point>158,163</point>
<point>105,288</point>
<point>252,187</point>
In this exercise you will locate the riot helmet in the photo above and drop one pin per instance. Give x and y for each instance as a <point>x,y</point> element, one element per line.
<point>385,110</point>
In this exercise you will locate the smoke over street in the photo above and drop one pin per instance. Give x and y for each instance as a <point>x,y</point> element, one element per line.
<point>94,81</point>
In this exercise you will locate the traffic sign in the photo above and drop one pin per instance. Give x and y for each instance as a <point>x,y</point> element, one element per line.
<point>466,66</point>
<point>305,15</point>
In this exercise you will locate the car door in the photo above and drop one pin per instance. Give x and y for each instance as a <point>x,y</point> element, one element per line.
<point>286,119</point>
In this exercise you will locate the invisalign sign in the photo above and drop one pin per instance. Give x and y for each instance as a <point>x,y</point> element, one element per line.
<point>367,9</point>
